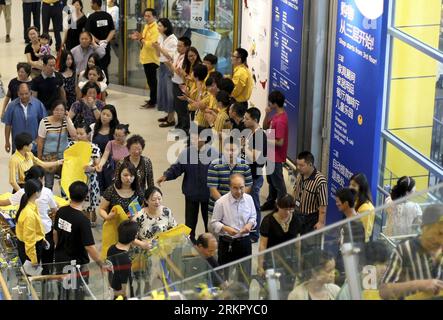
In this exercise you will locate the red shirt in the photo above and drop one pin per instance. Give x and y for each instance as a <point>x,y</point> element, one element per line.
<point>279,123</point>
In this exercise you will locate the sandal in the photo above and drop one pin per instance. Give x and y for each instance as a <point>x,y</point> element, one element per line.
<point>167,124</point>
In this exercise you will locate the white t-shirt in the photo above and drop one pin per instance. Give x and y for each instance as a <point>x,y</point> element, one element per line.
<point>114,12</point>
<point>169,44</point>
<point>44,203</point>
<point>178,63</point>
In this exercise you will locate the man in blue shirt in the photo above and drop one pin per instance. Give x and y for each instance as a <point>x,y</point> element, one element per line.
<point>23,115</point>
<point>193,162</point>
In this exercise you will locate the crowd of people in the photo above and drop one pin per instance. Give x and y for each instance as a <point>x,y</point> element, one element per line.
<point>55,103</point>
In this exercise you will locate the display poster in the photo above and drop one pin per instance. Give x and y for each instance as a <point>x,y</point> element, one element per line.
<point>286,51</point>
<point>357,95</point>
<point>256,39</point>
<point>197,14</point>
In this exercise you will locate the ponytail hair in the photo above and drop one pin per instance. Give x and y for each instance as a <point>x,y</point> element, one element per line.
<point>35,172</point>
<point>32,186</point>
<point>404,185</point>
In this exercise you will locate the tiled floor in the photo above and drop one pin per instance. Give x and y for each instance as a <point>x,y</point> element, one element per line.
<point>143,122</point>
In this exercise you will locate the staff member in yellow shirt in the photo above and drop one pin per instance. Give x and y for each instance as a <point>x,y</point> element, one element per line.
<point>23,159</point>
<point>148,54</point>
<point>241,77</point>
<point>29,229</point>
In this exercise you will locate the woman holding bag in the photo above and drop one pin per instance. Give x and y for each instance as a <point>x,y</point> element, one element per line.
<point>52,138</point>
<point>114,152</point>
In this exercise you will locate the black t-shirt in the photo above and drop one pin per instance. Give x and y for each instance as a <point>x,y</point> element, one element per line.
<point>13,87</point>
<point>48,90</point>
<point>271,229</point>
<point>122,267</point>
<point>74,234</point>
<point>29,49</point>
<point>258,141</point>
<point>73,38</point>
<point>358,232</point>
<point>100,24</point>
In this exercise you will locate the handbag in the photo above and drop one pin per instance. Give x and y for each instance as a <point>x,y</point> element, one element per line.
<point>109,170</point>
<point>50,157</point>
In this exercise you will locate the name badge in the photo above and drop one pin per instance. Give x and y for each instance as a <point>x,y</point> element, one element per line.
<point>102,23</point>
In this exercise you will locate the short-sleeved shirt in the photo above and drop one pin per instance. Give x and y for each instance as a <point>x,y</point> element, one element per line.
<point>219,174</point>
<point>257,141</point>
<point>24,122</point>
<point>410,261</point>
<point>279,123</point>
<point>145,172</point>
<point>121,264</point>
<point>44,204</point>
<point>271,229</point>
<point>150,227</point>
<point>115,199</point>
<point>100,24</point>
<point>74,234</point>
<point>13,86</point>
<point>311,193</point>
<point>169,44</point>
<point>357,232</point>
<point>118,151</point>
<point>80,109</point>
<point>73,38</point>
<point>29,49</point>
<point>52,134</point>
<point>48,89</point>
<point>18,165</point>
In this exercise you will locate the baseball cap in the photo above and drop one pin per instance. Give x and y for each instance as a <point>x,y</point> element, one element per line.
<point>433,214</point>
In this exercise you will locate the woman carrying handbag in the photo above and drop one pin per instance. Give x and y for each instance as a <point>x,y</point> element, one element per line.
<point>52,140</point>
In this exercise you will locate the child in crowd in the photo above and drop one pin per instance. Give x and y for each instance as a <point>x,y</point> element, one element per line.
<point>118,255</point>
<point>45,45</point>
<point>83,134</point>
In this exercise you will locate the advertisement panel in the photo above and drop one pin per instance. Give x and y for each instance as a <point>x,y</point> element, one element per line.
<point>357,95</point>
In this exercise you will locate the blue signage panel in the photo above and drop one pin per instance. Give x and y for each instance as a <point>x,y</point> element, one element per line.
<point>286,49</point>
<point>357,95</point>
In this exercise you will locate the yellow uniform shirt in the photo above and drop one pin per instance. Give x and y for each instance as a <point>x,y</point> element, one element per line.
<point>200,95</point>
<point>50,1</point>
<point>222,121</point>
<point>148,54</point>
<point>18,165</point>
<point>368,221</point>
<point>209,73</point>
<point>242,79</point>
<point>30,230</point>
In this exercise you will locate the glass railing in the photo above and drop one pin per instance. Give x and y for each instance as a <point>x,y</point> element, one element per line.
<point>332,263</point>
<point>335,262</point>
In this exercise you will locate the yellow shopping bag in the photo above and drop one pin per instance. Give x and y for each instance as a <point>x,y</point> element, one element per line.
<point>76,157</point>
<point>110,229</point>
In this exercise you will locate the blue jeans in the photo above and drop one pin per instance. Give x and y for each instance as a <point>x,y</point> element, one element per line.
<point>257,184</point>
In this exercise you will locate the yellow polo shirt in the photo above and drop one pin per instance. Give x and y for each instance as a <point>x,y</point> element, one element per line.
<point>30,230</point>
<point>368,221</point>
<point>50,1</point>
<point>18,165</point>
<point>222,121</point>
<point>148,54</point>
<point>243,82</point>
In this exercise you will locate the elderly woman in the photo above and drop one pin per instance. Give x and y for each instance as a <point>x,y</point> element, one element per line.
<point>88,108</point>
<point>145,173</point>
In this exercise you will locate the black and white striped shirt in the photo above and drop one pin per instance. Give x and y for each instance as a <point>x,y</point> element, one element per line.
<point>311,193</point>
<point>410,261</point>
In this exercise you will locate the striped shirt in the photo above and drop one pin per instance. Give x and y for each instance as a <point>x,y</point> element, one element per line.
<point>50,132</point>
<point>219,174</point>
<point>312,193</point>
<point>410,261</point>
